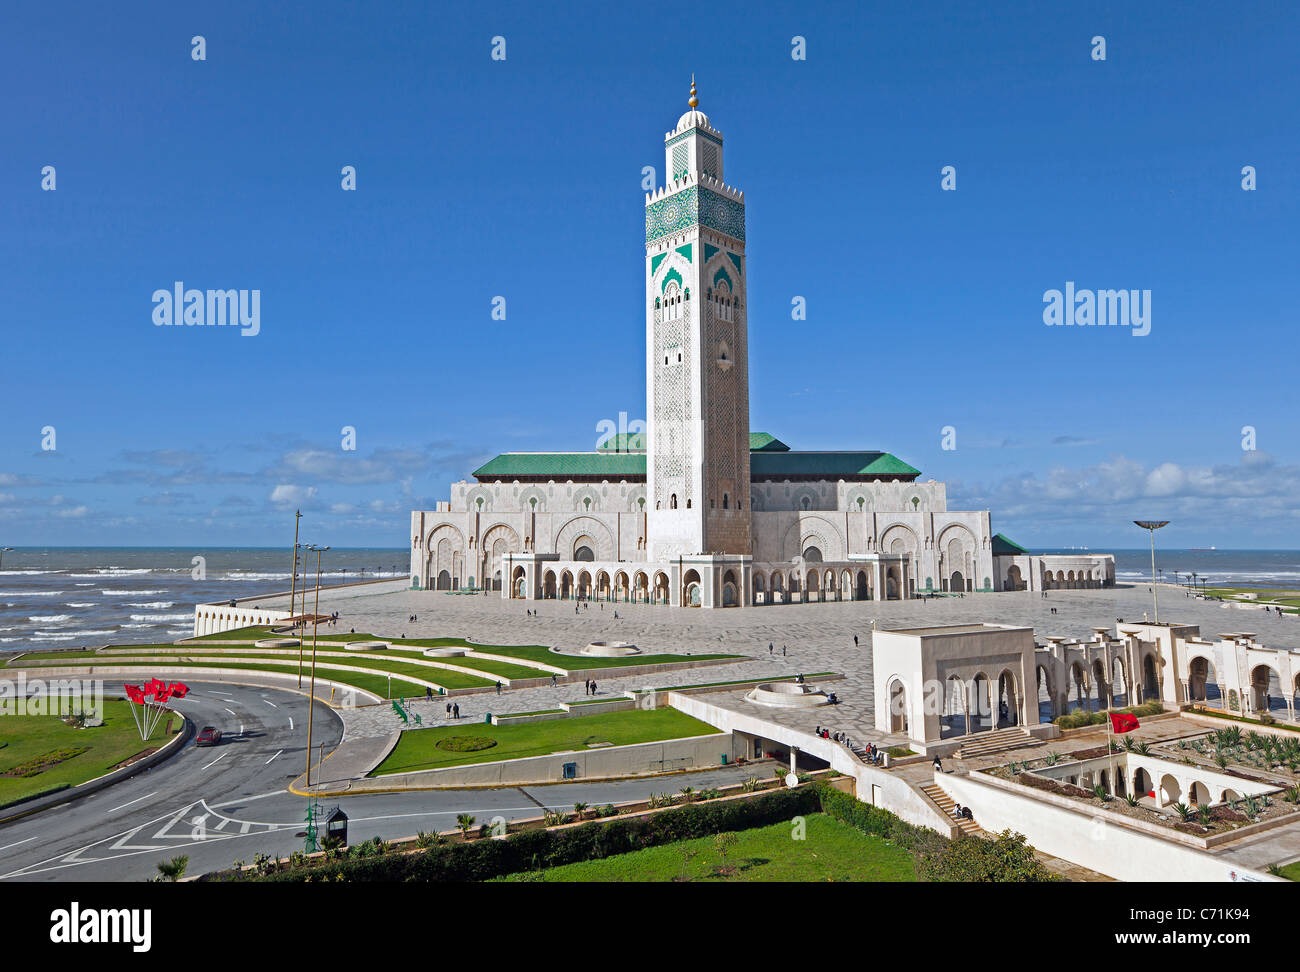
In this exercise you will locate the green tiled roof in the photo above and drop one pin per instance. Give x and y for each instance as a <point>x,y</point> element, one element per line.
<point>562,465</point>
<point>763,442</point>
<point>1003,546</point>
<point>829,465</point>
<point>770,458</point>
<point>624,442</point>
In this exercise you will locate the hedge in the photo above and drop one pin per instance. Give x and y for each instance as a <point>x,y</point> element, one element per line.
<point>528,850</point>
<point>1077,720</point>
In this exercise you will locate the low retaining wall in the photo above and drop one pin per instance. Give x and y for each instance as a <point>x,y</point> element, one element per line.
<point>245,676</point>
<point>1086,837</point>
<point>610,762</point>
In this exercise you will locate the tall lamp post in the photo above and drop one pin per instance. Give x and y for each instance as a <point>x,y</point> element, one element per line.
<point>311,695</point>
<point>1151,526</point>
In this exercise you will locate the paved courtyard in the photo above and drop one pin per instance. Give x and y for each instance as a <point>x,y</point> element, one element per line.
<point>816,637</point>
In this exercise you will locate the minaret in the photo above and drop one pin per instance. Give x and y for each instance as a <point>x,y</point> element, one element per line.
<point>697,361</point>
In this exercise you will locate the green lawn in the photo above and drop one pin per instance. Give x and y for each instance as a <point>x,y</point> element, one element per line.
<point>1290,871</point>
<point>830,851</point>
<point>157,653</point>
<point>25,738</point>
<point>417,749</point>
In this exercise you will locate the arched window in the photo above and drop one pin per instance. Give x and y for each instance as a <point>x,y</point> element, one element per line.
<point>672,502</point>
<point>688,504</point>
<point>724,501</point>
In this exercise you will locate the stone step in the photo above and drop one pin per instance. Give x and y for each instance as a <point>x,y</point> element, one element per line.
<point>946,804</point>
<point>1000,740</point>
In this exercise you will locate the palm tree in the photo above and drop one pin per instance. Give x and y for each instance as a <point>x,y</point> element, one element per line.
<point>580,810</point>
<point>174,869</point>
<point>1194,575</point>
<point>464,821</point>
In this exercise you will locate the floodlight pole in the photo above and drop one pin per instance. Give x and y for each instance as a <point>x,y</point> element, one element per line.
<point>1151,526</point>
<point>311,695</point>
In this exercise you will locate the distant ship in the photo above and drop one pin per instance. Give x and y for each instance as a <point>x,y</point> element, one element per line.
<point>1202,549</point>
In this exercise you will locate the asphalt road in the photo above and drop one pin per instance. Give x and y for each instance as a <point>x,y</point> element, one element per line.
<point>230,802</point>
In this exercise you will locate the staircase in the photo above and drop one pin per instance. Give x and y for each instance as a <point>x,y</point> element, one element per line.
<point>997,741</point>
<point>945,803</point>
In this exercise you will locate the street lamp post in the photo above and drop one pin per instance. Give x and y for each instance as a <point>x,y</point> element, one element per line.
<point>311,695</point>
<point>1151,526</point>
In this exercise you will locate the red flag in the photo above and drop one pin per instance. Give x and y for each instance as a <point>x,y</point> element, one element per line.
<point>134,693</point>
<point>1122,722</point>
<point>178,690</point>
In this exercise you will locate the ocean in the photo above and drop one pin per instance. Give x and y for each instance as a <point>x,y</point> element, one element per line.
<point>70,596</point>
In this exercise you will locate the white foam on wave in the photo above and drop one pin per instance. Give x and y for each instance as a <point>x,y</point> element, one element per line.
<point>156,605</point>
<point>50,618</point>
<point>145,625</point>
<point>82,604</point>
<point>162,617</point>
<point>30,593</point>
<point>51,636</point>
<point>131,593</point>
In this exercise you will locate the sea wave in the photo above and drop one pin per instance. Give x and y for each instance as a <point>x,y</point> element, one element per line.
<point>132,593</point>
<point>30,593</point>
<point>51,636</point>
<point>82,604</point>
<point>49,618</point>
<point>156,605</point>
<point>162,617</point>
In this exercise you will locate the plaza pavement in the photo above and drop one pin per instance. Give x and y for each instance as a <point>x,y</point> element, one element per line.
<point>817,637</point>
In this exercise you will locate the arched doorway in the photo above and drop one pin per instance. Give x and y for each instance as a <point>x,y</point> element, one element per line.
<point>1150,685</point>
<point>1014,581</point>
<point>1142,785</point>
<point>566,586</point>
<point>661,588</point>
<point>1199,794</point>
<point>548,585</point>
<point>444,580</point>
<point>1007,710</point>
<point>1118,683</point>
<point>893,586</point>
<point>1046,695</point>
<point>730,597</point>
<point>691,589</point>
<point>1100,683</point>
<point>1170,790</point>
<point>956,582</point>
<point>864,586</point>
<point>897,706</point>
<point>981,703</point>
<point>1266,690</point>
<point>1202,683</point>
<point>955,720</point>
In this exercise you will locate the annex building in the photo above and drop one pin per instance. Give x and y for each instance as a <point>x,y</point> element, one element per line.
<point>700,511</point>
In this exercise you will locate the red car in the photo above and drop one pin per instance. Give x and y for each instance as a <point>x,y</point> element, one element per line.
<point>208,736</point>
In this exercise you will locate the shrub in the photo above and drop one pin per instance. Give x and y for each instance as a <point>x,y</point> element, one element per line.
<point>1004,859</point>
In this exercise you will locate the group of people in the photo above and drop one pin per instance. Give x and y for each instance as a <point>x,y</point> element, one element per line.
<point>411,619</point>
<point>961,813</point>
<point>772,651</point>
<point>591,686</point>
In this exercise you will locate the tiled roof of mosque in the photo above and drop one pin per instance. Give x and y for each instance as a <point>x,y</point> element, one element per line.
<point>620,458</point>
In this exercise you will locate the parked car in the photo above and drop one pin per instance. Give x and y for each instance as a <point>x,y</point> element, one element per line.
<point>208,736</point>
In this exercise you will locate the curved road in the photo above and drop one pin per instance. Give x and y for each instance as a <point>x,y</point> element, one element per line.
<point>230,802</point>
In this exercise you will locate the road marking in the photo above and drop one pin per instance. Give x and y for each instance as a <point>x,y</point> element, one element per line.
<point>270,703</point>
<point>245,828</point>
<point>137,800</point>
<point>291,723</point>
<point>273,757</point>
<point>16,843</point>
<point>217,760</point>
<point>241,728</point>
<point>231,711</point>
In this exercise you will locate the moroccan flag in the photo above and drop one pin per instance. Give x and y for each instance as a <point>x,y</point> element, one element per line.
<point>1120,722</point>
<point>133,693</point>
<point>178,690</point>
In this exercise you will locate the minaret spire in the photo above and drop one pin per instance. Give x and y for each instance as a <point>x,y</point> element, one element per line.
<point>693,101</point>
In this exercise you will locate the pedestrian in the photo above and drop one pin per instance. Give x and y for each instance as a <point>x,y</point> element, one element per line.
<point>498,688</point>
<point>783,651</point>
<point>855,641</point>
<point>593,686</point>
<point>428,694</point>
<point>938,765</point>
<point>769,648</point>
<point>455,710</point>
<point>553,680</point>
<point>448,710</point>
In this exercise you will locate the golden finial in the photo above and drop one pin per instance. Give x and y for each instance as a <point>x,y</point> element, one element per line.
<point>693,101</point>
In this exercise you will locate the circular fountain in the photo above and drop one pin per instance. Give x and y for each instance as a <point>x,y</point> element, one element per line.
<point>366,646</point>
<point>277,643</point>
<point>788,695</point>
<point>610,649</point>
<point>444,652</point>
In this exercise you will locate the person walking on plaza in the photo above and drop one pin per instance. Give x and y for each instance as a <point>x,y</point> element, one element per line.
<point>593,686</point>
<point>553,680</point>
<point>448,710</point>
<point>769,648</point>
<point>783,651</point>
<point>855,641</point>
<point>498,688</point>
<point>455,710</point>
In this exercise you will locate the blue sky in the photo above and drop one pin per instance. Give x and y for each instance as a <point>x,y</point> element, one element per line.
<point>521,178</point>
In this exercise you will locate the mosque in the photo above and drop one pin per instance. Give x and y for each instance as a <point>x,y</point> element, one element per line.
<point>699,511</point>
